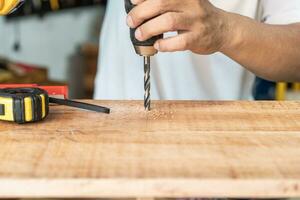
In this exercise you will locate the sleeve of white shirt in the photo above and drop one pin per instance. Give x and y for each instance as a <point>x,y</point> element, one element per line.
<point>280,11</point>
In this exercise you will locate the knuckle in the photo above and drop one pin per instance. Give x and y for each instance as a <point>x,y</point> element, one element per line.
<point>171,21</point>
<point>137,18</point>
<point>161,3</point>
<point>184,43</point>
<point>136,2</point>
<point>162,46</point>
<point>201,29</point>
<point>145,31</point>
<point>142,32</point>
<point>201,12</point>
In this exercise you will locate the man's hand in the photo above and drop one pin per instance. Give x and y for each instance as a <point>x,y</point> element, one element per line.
<point>202,28</point>
<point>270,51</point>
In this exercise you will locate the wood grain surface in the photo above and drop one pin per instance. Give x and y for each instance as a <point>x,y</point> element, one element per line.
<point>179,149</point>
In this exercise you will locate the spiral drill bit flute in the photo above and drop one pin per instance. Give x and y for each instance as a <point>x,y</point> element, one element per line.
<point>145,49</point>
<point>147,84</point>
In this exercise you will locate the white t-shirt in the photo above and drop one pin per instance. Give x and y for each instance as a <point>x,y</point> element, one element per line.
<point>180,75</point>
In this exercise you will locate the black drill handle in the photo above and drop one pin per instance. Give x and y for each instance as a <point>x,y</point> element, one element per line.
<point>129,6</point>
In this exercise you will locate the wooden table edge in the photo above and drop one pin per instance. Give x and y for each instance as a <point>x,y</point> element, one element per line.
<point>148,188</point>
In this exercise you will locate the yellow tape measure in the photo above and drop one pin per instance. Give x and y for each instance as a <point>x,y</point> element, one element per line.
<point>54,4</point>
<point>23,105</point>
<point>8,6</point>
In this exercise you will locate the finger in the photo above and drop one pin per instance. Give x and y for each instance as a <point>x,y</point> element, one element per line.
<point>167,22</point>
<point>149,9</point>
<point>136,2</point>
<point>180,42</point>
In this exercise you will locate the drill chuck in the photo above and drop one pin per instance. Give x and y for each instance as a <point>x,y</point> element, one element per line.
<point>145,50</point>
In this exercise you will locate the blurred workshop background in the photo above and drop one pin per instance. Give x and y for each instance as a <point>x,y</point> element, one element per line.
<point>56,42</point>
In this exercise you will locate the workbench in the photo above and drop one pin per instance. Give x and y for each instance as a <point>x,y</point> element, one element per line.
<point>179,149</point>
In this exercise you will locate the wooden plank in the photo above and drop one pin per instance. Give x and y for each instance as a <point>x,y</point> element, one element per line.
<point>145,198</point>
<point>180,149</point>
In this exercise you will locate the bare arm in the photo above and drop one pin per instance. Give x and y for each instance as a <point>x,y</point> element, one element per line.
<point>270,51</point>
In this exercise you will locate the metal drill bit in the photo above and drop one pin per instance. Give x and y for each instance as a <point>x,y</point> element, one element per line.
<point>147,85</point>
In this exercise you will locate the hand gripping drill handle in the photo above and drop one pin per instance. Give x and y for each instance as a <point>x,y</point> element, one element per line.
<point>143,48</point>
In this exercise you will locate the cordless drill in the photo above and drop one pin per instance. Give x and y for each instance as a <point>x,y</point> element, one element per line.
<point>145,49</point>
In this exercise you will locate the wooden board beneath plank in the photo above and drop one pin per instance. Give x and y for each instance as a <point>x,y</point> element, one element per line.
<point>179,149</point>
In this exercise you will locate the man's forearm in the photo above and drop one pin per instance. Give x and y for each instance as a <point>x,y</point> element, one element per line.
<point>270,51</point>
